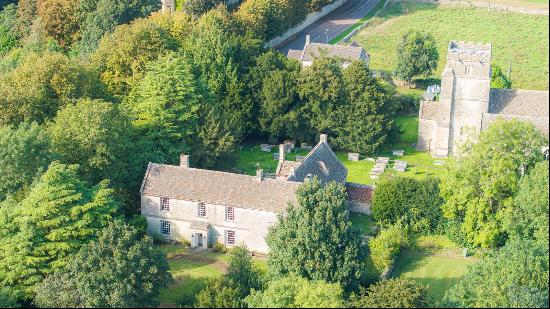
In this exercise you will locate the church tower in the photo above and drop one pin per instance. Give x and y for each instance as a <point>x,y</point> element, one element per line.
<point>464,98</point>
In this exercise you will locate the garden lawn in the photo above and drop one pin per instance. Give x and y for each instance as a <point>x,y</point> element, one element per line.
<point>190,270</point>
<point>519,39</point>
<point>439,271</point>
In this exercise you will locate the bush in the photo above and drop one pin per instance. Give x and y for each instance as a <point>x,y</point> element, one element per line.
<point>392,293</point>
<point>499,79</point>
<point>385,247</point>
<point>219,248</point>
<point>415,202</point>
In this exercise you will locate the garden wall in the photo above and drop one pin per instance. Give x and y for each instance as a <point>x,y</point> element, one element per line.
<point>310,20</point>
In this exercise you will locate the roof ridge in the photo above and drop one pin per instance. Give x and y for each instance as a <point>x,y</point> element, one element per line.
<point>145,177</point>
<point>225,173</point>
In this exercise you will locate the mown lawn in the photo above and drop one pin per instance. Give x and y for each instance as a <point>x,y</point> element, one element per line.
<point>518,39</point>
<point>190,270</point>
<point>438,271</point>
<point>421,164</point>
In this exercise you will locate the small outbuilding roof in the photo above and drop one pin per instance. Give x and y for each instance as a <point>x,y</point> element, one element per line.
<point>313,51</point>
<point>358,193</point>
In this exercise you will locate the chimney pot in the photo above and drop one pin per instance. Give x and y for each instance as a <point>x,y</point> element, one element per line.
<point>323,138</point>
<point>282,149</point>
<point>184,160</point>
<point>308,39</point>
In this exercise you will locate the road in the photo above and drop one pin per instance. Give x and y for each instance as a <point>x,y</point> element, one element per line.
<point>335,22</point>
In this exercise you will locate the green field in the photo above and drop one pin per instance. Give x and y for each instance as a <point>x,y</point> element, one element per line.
<point>518,39</point>
<point>421,164</point>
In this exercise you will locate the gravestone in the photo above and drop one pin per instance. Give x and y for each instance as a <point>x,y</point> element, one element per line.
<point>306,146</point>
<point>399,153</point>
<point>353,156</point>
<point>300,158</point>
<point>265,147</point>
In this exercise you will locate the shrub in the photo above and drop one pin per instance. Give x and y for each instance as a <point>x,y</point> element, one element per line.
<point>415,202</point>
<point>392,293</point>
<point>385,247</point>
<point>219,248</point>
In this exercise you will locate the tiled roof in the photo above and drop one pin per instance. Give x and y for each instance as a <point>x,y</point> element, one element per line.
<point>359,193</point>
<point>295,54</point>
<point>219,188</point>
<point>285,168</point>
<point>529,103</point>
<point>323,163</point>
<point>316,50</point>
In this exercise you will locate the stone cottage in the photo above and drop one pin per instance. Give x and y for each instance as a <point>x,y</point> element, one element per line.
<point>205,207</point>
<point>467,104</point>
<point>313,51</point>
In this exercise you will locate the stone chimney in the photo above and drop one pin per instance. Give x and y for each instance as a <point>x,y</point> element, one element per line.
<point>323,138</point>
<point>282,149</point>
<point>308,39</point>
<point>259,175</point>
<point>184,160</point>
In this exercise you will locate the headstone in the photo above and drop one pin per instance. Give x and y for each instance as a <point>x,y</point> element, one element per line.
<point>384,159</point>
<point>300,158</point>
<point>399,153</point>
<point>265,147</point>
<point>439,162</point>
<point>290,144</point>
<point>465,252</point>
<point>306,146</point>
<point>400,166</point>
<point>353,156</point>
<point>276,156</point>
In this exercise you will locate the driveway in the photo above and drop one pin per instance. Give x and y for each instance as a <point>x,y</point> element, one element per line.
<point>331,25</point>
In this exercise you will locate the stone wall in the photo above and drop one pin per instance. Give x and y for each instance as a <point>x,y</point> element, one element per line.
<point>250,225</point>
<point>311,18</point>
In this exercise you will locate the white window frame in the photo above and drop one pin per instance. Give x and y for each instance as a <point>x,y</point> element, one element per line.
<point>165,227</point>
<point>230,237</point>
<point>201,210</point>
<point>229,213</point>
<point>164,204</point>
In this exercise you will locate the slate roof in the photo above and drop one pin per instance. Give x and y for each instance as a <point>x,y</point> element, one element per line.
<point>322,162</point>
<point>241,191</point>
<point>529,103</point>
<point>315,50</point>
<point>358,193</point>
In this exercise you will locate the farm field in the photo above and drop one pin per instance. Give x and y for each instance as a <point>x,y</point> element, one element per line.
<point>517,39</point>
<point>191,270</point>
<point>421,164</point>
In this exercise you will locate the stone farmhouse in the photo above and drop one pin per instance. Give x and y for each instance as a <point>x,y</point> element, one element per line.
<point>467,104</point>
<point>313,51</point>
<point>204,207</point>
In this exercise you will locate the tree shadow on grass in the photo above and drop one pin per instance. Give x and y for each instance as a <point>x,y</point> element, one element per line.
<point>183,290</point>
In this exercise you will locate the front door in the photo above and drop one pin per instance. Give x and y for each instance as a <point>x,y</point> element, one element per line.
<point>199,240</point>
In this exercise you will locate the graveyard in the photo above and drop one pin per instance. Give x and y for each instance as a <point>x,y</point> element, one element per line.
<point>400,158</point>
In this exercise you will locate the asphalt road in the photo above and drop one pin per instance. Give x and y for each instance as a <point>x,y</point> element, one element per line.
<point>331,25</point>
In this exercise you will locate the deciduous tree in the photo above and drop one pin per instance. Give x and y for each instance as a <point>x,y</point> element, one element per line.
<point>24,155</point>
<point>417,55</point>
<point>119,269</point>
<point>481,184</point>
<point>392,293</point>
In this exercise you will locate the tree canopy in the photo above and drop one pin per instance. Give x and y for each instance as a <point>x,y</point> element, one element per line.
<point>392,293</point>
<point>119,269</point>
<point>42,232</point>
<point>315,239</point>
<point>417,55</point>
<point>481,184</point>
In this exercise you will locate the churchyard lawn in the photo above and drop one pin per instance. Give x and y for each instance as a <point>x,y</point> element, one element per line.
<point>519,39</point>
<point>420,164</point>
